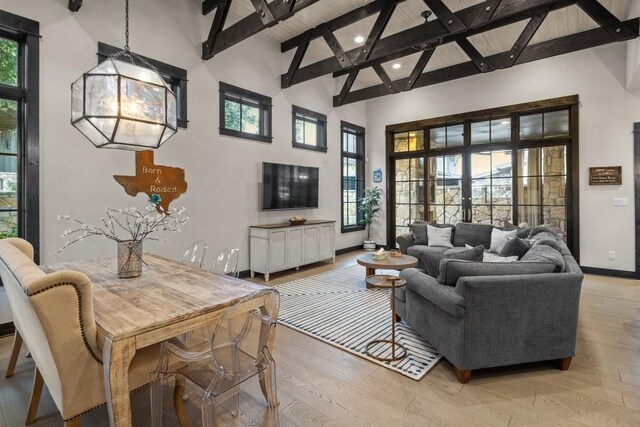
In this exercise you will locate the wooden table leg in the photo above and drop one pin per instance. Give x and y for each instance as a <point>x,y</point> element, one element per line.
<point>116,357</point>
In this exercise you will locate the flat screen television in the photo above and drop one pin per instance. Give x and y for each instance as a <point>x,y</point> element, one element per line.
<point>289,187</point>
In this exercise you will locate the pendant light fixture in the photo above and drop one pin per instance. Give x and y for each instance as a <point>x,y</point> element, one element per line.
<point>122,105</point>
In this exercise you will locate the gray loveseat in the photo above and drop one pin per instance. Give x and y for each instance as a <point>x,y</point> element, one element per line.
<point>483,321</point>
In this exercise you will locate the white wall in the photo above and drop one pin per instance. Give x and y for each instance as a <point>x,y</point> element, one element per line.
<point>223,173</point>
<point>607,115</point>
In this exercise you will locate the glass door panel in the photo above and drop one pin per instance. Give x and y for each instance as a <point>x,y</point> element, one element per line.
<point>491,197</point>
<point>409,193</point>
<point>444,185</point>
<point>8,168</point>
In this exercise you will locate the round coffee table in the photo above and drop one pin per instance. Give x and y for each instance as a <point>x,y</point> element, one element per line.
<point>391,263</point>
<point>387,282</point>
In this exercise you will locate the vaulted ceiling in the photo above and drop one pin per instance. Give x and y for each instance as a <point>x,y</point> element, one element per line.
<point>390,46</point>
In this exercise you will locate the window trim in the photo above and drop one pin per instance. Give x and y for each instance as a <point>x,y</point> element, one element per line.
<point>175,76</point>
<point>265,107</point>
<point>360,133</point>
<point>27,94</point>
<point>321,132</point>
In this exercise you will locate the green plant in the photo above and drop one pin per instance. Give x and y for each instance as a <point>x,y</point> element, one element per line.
<point>370,205</point>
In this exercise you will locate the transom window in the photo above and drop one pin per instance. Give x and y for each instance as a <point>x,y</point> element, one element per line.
<point>352,175</point>
<point>309,129</point>
<point>244,114</point>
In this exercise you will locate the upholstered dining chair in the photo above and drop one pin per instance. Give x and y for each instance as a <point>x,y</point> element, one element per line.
<point>194,255</point>
<point>53,314</point>
<point>239,350</point>
<point>227,262</point>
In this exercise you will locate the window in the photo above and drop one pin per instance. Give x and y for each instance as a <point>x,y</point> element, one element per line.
<point>244,114</point>
<point>352,176</point>
<point>19,181</point>
<point>175,77</point>
<point>309,129</point>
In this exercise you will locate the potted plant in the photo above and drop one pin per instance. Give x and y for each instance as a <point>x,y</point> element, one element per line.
<point>370,205</point>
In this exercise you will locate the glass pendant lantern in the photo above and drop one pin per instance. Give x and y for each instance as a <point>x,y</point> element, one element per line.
<point>123,105</point>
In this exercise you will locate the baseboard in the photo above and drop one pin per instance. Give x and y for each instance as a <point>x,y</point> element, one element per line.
<point>7,329</point>
<point>347,250</point>
<point>244,274</point>
<point>609,272</point>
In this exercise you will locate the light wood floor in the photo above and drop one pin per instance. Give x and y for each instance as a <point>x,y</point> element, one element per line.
<point>321,385</point>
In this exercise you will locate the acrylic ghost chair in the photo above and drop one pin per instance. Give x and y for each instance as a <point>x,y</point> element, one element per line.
<point>194,255</point>
<point>239,351</point>
<point>227,263</point>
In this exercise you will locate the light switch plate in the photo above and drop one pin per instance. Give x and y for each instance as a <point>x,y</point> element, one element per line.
<point>621,202</point>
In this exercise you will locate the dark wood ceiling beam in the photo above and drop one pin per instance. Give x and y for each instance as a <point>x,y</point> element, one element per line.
<point>209,6</point>
<point>410,41</point>
<point>606,19</point>
<point>262,9</point>
<point>482,64</point>
<point>75,5</point>
<point>216,27</point>
<point>419,68</point>
<point>560,46</point>
<point>298,56</point>
<point>386,80</point>
<point>335,46</point>
<point>376,32</point>
<point>489,8</point>
<point>524,39</point>
<point>342,21</point>
<point>351,78</point>
<point>445,16</point>
<point>252,24</point>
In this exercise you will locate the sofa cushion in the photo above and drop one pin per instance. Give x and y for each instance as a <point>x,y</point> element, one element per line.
<point>453,269</point>
<point>515,246</point>
<point>426,286</point>
<point>523,232</point>
<point>544,253</point>
<point>439,236</point>
<point>419,231</point>
<point>432,261</point>
<point>418,250</point>
<point>473,234</point>
<point>499,238</point>
<point>457,249</point>
<point>489,257</point>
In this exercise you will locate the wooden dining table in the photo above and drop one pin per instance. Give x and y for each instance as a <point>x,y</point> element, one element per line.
<point>167,300</point>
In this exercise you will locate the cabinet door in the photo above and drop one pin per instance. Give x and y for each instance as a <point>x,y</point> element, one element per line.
<point>277,250</point>
<point>311,247</point>
<point>325,241</point>
<point>294,247</point>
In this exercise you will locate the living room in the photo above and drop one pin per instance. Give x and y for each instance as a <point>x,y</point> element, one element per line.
<point>494,117</point>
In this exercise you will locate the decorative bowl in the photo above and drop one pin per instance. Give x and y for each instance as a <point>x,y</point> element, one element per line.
<point>297,220</point>
<point>395,253</point>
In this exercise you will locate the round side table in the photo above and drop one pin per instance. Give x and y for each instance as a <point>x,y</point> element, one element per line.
<point>387,282</point>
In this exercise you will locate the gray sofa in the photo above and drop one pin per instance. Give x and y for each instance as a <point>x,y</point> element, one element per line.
<point>484,321</point>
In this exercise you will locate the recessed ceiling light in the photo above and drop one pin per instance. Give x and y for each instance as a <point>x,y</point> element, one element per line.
<point>397,66</point>
<point>358,39</point>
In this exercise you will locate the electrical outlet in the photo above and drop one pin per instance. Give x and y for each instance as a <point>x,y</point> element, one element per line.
<point>620,202</point>
<point>612,255</point>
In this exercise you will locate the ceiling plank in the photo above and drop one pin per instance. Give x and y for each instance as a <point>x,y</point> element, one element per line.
<point>209,6</point>
<point>252,24</point>
<point>489,9</point>
<point>262,9</point>
<point>351,78</point>
<point>409,41</point>
<point>419,68</point>
<point>75,5</point>
<point>335,46</point>
<point>298,56</point>
<point>524,39</point>
<point>482,64</point>
<point>445,16</point>
<point>376,31</point>
<point>571,43</point>
<point>222,11</point>
<point>342,21</point>
<point>606,19</point>
<point>386,80</point>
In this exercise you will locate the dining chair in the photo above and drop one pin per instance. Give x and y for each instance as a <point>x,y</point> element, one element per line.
<point>54,316</point>
<point>227,263</point>
<point>194,255</point>
<point>239,350</point>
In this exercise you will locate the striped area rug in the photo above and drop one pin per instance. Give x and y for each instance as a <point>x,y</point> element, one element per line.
<point>337,308</point>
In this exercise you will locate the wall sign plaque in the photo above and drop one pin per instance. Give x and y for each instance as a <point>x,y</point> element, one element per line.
<point>163,184</point>
<point>606,175</point>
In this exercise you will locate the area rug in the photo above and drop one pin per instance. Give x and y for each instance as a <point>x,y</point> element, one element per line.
<point>337,308</point>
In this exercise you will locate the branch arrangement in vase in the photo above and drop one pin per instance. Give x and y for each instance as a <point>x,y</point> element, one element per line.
<point>133,224</point>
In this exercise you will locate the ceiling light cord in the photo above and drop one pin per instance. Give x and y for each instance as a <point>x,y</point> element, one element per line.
<point>126,26</point>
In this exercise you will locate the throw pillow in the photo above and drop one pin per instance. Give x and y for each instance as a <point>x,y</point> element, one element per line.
<point>453,269</point>
<point>523,232</point>
<point>515,246</point>
<point>432,261</point>
<point>439,236</point>
<point>419,231</point>
<point>507,226</point>
<point>544,253</point>
<point>499,239</point>
<point>489,257</point>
